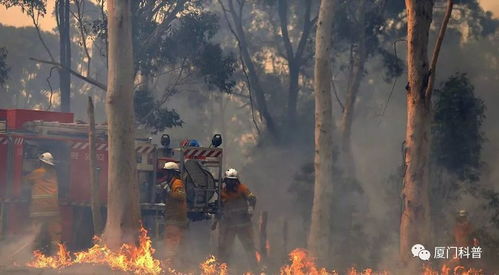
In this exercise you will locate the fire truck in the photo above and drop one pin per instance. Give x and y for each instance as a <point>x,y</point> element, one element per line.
<point>25,134</point>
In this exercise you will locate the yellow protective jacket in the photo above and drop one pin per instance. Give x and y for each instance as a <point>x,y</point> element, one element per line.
<point>235,205</point>
<point>176,203</point>
<point>44,193</point>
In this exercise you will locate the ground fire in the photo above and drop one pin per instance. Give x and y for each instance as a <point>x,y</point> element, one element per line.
<point>137,259</point>
<point>141,260</point>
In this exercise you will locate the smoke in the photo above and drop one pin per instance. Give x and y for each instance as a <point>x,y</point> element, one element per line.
<point>376,141</point>
<point>17,250</point>
<point>269,170</point>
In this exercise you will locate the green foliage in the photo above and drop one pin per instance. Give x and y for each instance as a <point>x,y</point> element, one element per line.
<point>349,30</point>
<point>394,66</point>
<point>27,6</point>
<point>456,131</point>
<point>4,70</point>
<point>177,45</point>
<point>185,44</point>
<point>215,67</point>
<point>481,23</point>
<point>149,112</point>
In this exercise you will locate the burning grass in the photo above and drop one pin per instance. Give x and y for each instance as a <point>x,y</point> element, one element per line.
<point>134,259</point>
<point>458,270</point>
<point>212,267</point>
<point>140,260</point>
<point>301,263</point>
<point>137,259</point>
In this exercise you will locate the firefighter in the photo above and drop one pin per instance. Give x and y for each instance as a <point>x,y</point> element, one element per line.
<point>44,207</point>
<point>463,238</point>
<point>176,210</point>
<point>463,230</point>
<point>238,204</point>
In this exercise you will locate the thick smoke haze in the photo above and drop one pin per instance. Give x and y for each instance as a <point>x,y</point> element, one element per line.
<point>270,170</point>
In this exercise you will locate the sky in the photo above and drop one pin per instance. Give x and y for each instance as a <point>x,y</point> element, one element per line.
<point>14,16</point>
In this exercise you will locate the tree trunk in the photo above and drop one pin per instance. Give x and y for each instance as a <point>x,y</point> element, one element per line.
<point>294,73</point>
<point>358,62</point>
<point>254,80</point>
<point>94,175</point>
<point>123,213</point>
<point>320,229</point>
<point>259,93</point>
<point>347,161</point>
<point>64,54</point>
<point>294,58</point>
<point>415,220</point>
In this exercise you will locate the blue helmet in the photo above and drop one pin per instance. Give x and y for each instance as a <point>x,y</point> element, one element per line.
<point>194,143</point>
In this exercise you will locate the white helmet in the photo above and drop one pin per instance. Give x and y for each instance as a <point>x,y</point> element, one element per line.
<point>47,158</point>
<point>231,173</point>
<point>171,166</point>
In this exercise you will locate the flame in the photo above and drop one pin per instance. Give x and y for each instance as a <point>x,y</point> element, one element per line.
<point>258,257</point>
<point>137,259</point>
<point>140,260</point>
<point>458,270</point>
<point>303,264</point>
<point>212,267</point>
<point>62,259</point>
<point>367,271</point>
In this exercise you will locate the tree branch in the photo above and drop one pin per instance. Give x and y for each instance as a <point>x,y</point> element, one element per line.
<point>283,20</point>
<point>250,98</point>
<point>159,7</point>
<point>79,18</point>
<point>51,89</point>
<point>165,24</point>
<point>436,51</point>
<point>37,28</point>
<point>78,75</point>
<point>247,80</point>
<point>307,26</point>
<point>337,96</point>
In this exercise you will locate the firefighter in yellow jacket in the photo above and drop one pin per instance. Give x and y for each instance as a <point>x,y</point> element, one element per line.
<point>238,205</point>
<point>44,207</point>
<point>176,210</point>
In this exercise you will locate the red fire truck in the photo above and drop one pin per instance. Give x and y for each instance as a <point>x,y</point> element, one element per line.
<point>25,134</point>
